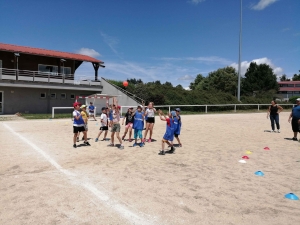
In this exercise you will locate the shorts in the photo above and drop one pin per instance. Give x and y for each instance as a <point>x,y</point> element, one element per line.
<point>104,128</point>
<point>295,125</point>
<point>116,127</point>
<point>78,129</point>
<point>150,120</point>
<point>129,125</point>
<point>137,134</point>
<point>176,135</point>
<point>86,127</point>
<point>91,113</point>
<point>169,136</point>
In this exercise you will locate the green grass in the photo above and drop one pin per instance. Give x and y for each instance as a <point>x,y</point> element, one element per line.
<point>46,116</point>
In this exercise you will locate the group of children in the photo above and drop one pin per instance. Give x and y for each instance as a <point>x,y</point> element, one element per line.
<point>134,119</point>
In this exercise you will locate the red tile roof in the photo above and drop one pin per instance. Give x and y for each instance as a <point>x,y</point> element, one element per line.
<point>48,53</point>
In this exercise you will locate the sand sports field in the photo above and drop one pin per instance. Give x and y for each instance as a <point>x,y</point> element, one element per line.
<point>44,180</point>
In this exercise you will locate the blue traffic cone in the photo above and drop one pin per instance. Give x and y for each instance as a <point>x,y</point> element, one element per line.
<point>291,196</point>
<point>259,173</point>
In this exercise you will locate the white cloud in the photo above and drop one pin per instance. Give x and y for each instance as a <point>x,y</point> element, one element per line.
<point>88,52</point>
<point>186,77</point>
<point>195,2</point>
<point>245,65</point>
<point>112,42</point>
<point>262,4</point>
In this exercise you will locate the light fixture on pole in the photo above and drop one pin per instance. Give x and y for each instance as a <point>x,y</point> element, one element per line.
<point>240,52</point>
<point>63,62</point>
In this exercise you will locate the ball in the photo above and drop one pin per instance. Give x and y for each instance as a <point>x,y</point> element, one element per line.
<point>125,83</point>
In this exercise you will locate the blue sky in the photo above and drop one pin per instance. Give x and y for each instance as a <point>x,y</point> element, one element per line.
<point>166,40</point>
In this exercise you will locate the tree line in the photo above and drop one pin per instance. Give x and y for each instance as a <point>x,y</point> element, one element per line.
<point>258,86</point>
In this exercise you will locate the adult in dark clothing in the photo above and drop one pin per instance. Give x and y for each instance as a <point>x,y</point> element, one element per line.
<point>273,113</point>
<point>295,116</point>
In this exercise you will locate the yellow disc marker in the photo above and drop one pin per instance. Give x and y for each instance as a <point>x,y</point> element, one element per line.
<point>248,152</point>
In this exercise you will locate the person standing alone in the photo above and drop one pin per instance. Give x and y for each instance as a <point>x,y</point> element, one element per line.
<point>273,112</point>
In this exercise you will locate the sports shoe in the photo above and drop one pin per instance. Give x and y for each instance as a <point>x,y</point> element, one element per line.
<point>294,139</point>
<point>149,140</point>
<point>121,147</point>
<point>111,145</point>
<point>135,144</point>
<point>273,131</point>
<point>87,143</point>
<point>142,144</point>
<point>278,131</point>
<point>96,139</point>
<point>162,152</point>
<point>74,146</point>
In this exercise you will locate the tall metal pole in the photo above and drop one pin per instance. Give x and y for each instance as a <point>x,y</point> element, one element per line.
<point>240,52</point>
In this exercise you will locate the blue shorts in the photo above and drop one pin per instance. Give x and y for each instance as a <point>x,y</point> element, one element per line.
<point>137,134</point>
<point>169,136</point>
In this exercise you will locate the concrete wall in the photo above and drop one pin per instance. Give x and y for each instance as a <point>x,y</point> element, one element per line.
<point>28,100</point>
<point>124,100</point>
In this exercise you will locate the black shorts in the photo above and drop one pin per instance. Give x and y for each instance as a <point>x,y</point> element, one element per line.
<point>78,129</point>
<point>176,135</point>
<point>295,125</point>
<point>104,128</point>
<point>150,120</point>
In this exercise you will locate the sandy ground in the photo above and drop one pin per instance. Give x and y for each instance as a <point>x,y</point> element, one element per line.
<point>44,180</point>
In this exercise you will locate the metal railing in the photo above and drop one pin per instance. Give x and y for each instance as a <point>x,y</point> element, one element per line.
<point>47,77</point>
<point>131,95</point>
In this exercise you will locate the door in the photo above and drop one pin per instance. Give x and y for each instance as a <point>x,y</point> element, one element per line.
<point>1,102</point>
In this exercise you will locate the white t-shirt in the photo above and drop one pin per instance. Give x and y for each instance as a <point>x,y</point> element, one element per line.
<point>104,120</point>
<point>116,116</point>
<point>150,112</point>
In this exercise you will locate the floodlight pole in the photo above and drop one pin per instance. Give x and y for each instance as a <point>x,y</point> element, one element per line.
<point>240,52</point>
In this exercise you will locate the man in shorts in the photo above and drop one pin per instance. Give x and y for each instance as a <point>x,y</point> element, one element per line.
<point>104,124</point>
<point>295,116</point>
<point>92,111</point>
<point>78,125</point>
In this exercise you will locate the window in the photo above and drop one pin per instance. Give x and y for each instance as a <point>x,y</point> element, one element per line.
<point>72,96</point>
<point>290,85</point>
<point>296,92</point>
<point>53,95</point>
<point>297,85</point>
<point>53,70</point>
<point>283,85</point>
<point>63,95</point>
<point>289,92</point>
<point>43,95</point>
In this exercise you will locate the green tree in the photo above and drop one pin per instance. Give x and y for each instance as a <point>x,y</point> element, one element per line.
<point>199,78</point>
<point>284,78</point>
<point>259,78</point>
<point>224,79</point>
<point>296,77</point>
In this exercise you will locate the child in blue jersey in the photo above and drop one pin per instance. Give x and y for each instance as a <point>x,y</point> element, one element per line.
<point>169,134</point>
<point>138,125</point>
<point>177,125</point>
<point>92,111</point>
<point>110,110</point>
<point>78,124</point>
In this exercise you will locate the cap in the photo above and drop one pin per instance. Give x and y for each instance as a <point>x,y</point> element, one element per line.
<point>83,106</point>
<point>119,107</point>
<point>298,99</point>
<point>76,104</point>
<point>177,109</point>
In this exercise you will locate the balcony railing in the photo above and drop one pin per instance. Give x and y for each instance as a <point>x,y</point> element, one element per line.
<point>44,77</point>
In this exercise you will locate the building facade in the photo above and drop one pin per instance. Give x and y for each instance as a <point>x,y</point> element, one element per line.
<point>34,80</point>
<point>288,89</point>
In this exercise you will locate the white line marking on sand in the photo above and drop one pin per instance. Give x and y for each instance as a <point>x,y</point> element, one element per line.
<point>121,209</point>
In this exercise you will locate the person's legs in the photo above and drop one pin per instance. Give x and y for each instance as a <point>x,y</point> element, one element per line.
<point>277,122</point>
<point>112,137</point>
<point>105,134</point>
<point>118,137</point>
<point>151,130</point>
<point>272,118</point>
<point>130,133</point>
<point>126,130</point>
<point>146,131</point>
<point>74,138</point>
<point>295,128</point>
